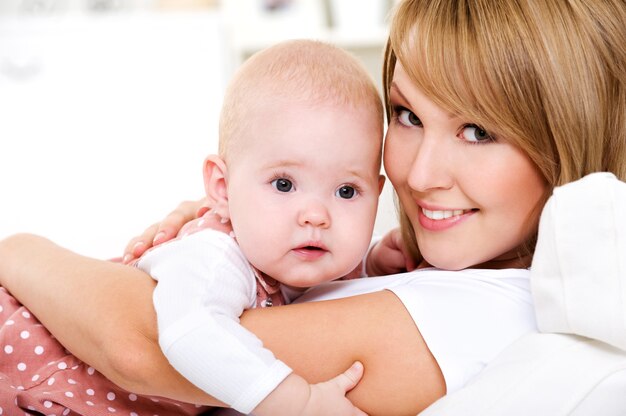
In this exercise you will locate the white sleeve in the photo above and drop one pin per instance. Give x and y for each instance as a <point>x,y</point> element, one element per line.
<point>204,285</point>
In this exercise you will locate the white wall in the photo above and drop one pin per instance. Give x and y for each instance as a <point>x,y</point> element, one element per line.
<point>105,121</point>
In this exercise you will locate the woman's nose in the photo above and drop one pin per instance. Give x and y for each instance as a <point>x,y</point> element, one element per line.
<point>432,166</point>
<point>314,213</point>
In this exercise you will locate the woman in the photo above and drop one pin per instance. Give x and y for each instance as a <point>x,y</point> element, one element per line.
<point>491,105</point>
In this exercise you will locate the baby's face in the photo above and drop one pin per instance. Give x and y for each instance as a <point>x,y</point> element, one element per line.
<point>303,191</point>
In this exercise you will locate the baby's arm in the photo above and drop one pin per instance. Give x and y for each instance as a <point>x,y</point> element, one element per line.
<point>204,285</point>
<point>389,256</point>
<point>103,313</point>
<point>295,396</point>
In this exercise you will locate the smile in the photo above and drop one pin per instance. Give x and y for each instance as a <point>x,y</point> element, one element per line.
<point>440,220</point>
<point>442,215</point>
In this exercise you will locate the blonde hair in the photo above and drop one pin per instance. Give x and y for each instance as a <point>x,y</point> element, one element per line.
<point>548,76</point>
<point>303,70</point>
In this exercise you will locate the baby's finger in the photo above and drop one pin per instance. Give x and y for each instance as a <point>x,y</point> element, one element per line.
<point>351,377</point>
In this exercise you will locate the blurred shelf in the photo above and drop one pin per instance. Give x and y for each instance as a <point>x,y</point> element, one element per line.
<point>249,28</point>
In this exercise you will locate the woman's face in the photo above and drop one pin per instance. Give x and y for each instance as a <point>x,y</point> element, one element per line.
<point>470,197</point>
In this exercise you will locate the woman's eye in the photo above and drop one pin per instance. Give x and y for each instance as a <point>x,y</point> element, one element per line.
<point>346,192</point>
<point>408,118</point>
<point>282,185</point>
<point>475,134</point>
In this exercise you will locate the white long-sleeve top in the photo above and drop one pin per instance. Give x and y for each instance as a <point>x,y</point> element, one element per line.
<point>204,285</point>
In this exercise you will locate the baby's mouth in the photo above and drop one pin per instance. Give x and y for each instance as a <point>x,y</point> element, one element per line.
<point>311,250</point>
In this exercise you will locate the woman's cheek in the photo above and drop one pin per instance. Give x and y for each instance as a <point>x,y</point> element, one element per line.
<point>397,159</point>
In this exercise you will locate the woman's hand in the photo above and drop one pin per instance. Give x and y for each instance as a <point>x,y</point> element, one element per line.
<point>164,230</point>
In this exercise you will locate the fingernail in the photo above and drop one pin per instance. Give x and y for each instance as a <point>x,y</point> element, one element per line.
<point>158,237</point>
<point>137,245</point>
<point>127,258</point>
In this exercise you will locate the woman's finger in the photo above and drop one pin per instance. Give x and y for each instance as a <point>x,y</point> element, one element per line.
<point>163,231</point>
<point>138,245</point>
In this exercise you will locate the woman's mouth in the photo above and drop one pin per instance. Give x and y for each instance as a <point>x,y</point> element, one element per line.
<point>442,215</point>
<point>439,220</point>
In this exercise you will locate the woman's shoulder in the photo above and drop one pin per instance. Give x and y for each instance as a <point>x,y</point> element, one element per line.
<point>467,317</point>
<point>491,283</point>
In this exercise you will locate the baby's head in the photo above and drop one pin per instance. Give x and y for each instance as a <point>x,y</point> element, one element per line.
<point>298,72</point>
<point>300,143</point>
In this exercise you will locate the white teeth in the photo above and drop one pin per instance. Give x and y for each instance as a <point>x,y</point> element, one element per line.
<point>442,215</point>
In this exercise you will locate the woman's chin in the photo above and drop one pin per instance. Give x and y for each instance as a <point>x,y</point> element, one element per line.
<point>445,262</point>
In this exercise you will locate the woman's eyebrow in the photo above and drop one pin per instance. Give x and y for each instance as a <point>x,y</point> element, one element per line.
<point>395,87</point>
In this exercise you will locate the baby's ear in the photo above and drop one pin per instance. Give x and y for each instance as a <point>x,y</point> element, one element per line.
<point>215,186</point>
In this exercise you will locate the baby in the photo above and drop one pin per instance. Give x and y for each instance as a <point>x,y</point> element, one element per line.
<point>293,195</point>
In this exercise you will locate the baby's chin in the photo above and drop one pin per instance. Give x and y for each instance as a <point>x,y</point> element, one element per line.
<point>304,280</point>
<point>305,283</point>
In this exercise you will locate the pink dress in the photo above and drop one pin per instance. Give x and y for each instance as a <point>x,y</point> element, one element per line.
<point>39,377</point>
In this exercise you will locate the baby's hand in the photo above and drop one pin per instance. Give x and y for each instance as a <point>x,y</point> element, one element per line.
<point>329,397</point>
<point>389,256</point>
<point>294,396</point>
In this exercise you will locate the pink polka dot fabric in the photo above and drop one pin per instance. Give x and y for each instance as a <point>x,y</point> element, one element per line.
<point>39,377</point>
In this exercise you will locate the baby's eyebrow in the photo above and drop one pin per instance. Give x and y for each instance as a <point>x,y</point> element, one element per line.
<point>363,174</point>
<point>283,163</point>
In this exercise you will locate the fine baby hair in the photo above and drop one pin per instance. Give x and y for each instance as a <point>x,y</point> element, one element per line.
<point>302,70</point>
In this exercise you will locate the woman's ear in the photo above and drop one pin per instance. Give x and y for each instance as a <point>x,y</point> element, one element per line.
<point>215,185</point>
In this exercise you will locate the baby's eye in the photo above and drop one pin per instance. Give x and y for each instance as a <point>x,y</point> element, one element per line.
<point>346,192</point>
<point>474,134</point>
<point>282,185</point>
<point>408,118</point>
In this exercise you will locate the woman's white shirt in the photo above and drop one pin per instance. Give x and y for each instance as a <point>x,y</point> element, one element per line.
<point>466,317</point>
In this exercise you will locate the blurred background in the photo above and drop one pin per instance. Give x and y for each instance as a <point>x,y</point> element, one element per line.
<point>108,107</point>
